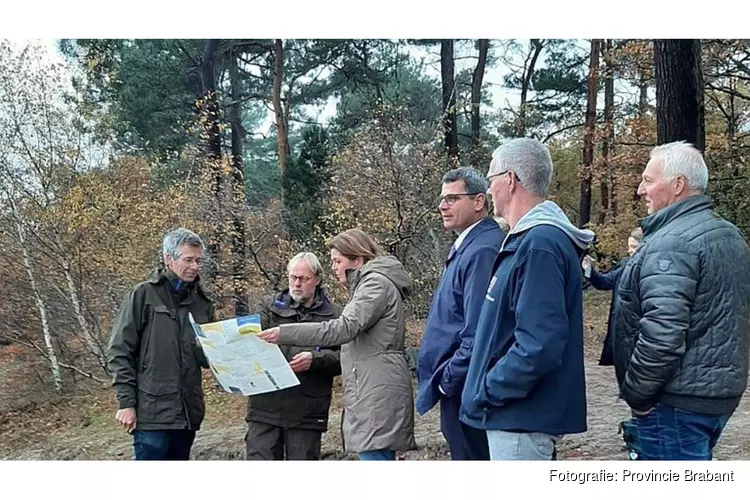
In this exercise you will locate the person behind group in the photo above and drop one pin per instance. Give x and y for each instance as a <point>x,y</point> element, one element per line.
<point>378,417</point>
<point>154,355</point>
<point>609,281</point>
<point>682,318</point>
<point>526,385</point>
<point>445,347</point>
<point>288,424</point>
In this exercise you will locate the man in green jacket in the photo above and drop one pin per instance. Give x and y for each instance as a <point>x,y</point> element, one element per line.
<point>154,355</point>
<point>289,424</point>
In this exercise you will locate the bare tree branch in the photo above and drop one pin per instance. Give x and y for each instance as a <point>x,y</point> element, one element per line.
<point>33,345</point>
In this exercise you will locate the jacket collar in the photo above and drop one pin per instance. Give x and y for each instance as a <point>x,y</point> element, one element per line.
<point>486,224</point>
<point>662,217</point>
<point>285,306</point>
<point>159,275</point>
<point>352,278</point>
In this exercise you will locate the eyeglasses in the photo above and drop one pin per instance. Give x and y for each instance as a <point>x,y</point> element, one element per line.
<point>192,260</point>
<point>302,279</point>
<point>490,177</point>
<point>451,199</point>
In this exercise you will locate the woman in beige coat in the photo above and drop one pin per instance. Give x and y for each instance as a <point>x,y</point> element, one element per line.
<point>378,417</point>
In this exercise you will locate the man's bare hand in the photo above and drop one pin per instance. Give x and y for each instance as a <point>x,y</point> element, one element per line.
<point>587,263</point>
<point>301,361</point>
<point>126,417</point>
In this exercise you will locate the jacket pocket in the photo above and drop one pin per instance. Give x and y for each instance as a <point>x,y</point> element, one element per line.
<point>160,341</point>
<point>481,398</point>
<point>158,402</point>
<point>316,388</point>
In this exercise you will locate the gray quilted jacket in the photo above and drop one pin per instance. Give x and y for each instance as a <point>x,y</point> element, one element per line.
<point>682,318</point>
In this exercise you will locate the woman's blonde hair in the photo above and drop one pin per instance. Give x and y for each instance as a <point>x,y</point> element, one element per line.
<point>637,234</point>
<point>354,243</point>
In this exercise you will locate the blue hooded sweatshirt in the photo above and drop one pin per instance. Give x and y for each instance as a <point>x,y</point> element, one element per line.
<point>526,372</point>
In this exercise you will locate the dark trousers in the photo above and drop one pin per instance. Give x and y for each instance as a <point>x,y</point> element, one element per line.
<point>269,442</point>
<point>668,433</point>
<point>163,445</point>
<point>464,442</point>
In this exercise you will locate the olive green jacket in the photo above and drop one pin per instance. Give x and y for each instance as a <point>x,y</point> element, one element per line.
<point>304,406</point>
<point>154,355</point>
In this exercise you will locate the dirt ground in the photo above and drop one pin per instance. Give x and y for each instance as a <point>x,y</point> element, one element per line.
<point>83,428</point>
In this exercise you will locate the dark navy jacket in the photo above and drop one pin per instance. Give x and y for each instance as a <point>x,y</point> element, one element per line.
<point>608,281</point>
<point>527,370</point>
<point>446,344</point>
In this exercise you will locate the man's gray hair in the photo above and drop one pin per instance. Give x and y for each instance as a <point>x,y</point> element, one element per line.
<point>175,240</point>
<point>682,158</point>
<point>529,159</point>
<point>308,258</point>
<point>474,182</point>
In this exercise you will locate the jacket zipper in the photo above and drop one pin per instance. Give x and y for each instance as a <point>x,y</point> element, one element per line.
<point>177,321</point>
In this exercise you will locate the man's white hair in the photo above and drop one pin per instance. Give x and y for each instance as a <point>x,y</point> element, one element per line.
<point>682,158</point>
<point>308,258</point>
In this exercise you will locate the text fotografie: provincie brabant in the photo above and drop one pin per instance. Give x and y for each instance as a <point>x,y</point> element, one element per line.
<point>627,475</point>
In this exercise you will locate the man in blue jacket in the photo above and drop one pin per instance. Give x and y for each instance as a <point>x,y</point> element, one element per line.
<point>449,333</point>
<point>526,384</point>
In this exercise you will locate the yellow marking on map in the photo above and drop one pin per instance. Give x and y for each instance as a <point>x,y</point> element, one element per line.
<point>258,368</point>
<point>212,328</point>
<point>249,328</point>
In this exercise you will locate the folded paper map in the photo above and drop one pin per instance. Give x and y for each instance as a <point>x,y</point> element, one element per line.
<point>240,361</point>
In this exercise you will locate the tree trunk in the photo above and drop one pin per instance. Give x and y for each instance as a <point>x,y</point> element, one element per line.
<point>209,102</point>
<point>679,92</point>
<point>278,110</point>
<point>607,185</point>
<point>450,127</point>
<point>529,67</point>
<point>41,306</point>
<point>476,96</point>
<point>92,343</point>
<point>212,145</point>
<point>588,136</point>
<point>731,116</point>
<point>238,193</point>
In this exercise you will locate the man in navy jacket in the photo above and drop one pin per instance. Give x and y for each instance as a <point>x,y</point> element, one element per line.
<point>526,384</point>
<point>449,333</point>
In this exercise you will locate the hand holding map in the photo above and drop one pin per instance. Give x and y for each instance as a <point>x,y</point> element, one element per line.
<point>241,362</point>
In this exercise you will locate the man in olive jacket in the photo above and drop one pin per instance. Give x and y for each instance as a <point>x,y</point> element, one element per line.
<point>154,355</point>
<point>288,424</point>
<point>682,317</point>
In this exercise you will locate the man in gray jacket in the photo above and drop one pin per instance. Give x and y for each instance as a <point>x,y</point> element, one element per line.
<point>683,313</point>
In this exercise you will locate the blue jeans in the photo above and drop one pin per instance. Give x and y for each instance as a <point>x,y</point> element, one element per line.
<point>163,445</point>
<point>504,445</point>
<point>668,433</point>
<point>377,455</point>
